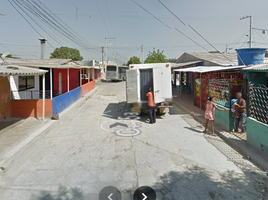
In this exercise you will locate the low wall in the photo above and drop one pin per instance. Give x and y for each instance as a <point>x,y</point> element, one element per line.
<point>86,88</point>
<point>30,108</point>
<point>257,134</point>
<point>63,101</point>
<point>224,119</point>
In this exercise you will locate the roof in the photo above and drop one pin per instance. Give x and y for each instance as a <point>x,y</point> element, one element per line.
<point>261,67</point>
<point>205,69</point>
<point>53,66</point>
<point>183,64</point>
<point>37,61</point>
<point>12,70</point>
<point>222,59</point>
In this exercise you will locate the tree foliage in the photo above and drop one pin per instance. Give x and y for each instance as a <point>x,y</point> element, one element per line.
<point>10,56</point>
<point>156,57</point>
<point>66,53</point>
<point>133,60</point>
<point>172,60</point>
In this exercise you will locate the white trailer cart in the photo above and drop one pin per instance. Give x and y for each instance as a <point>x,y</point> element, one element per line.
<point>140,77</point>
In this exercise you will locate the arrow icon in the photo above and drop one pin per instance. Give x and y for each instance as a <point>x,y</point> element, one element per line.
<point>109,197</point>
<point>145,197</point>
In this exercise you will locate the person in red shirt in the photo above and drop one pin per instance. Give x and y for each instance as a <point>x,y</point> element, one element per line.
<point>151,106</point>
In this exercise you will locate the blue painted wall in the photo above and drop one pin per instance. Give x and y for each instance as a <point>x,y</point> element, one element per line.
<point>63,101</point>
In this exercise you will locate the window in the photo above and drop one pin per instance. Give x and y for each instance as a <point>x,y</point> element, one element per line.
<point>111,68</point>
<point>26,82</point>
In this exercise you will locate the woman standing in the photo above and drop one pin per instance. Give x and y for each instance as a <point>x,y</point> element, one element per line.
<point>210,114</point>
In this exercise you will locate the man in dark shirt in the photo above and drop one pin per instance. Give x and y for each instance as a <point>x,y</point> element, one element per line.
<point>240,106</point>
<point>151,106</point>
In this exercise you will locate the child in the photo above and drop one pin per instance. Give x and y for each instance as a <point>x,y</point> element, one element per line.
<point>209,114</point>
<point>234,108</point>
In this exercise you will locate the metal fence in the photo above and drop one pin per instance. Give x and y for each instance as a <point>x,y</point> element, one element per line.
<point>258,102</point>
<point>220,90</point>
<point>29,94</point>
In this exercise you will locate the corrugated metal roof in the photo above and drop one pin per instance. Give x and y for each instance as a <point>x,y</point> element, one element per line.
<point>205,69</point>
<point>53,66</point>
<point>37,61</point>
<point>13,70</point>
<point>223,59</point>
<point>182,64</point>
<point>257,67</point>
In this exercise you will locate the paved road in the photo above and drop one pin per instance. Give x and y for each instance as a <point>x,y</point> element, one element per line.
<point>79,155</point>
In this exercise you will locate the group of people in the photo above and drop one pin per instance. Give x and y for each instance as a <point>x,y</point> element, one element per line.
<point>238,110</point>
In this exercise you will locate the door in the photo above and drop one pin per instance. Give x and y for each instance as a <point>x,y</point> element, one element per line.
<point>60,84</point>
<point>146,81</point>
<point>158,85</point>
<point>132,86</point>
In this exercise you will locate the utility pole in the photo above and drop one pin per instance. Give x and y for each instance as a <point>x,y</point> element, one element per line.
<point>142,53</point>
<point>250,29</point>
<point>226,50</point>
<point>113,55</point>
<point>102,63</point>
<point>106,41</point>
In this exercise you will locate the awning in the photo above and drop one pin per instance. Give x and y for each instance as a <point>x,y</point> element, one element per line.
<point>183,64</point>
<point>15,70</point>
<point>205,69</point>
<point>261,67</point>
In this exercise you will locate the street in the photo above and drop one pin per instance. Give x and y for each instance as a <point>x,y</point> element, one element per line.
<point>85,151</point>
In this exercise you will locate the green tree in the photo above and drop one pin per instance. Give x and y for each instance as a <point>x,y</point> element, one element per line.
<point>10,56</point>
<point>172,60</point>
<point>133,60</point>
<point>156,57</point>
<point>67,53</point>
<point>214,52</point>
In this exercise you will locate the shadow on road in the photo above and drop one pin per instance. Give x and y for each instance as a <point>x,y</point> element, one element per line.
<point>62,194</point>
<point>194,129</point>
<point>121,111</point>
<point>190,183</point>
<point>200,183</point>
<point>8,122</point>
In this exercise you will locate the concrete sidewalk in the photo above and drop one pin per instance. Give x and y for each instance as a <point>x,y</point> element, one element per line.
<point>238,142</point>
<point>16,133</point>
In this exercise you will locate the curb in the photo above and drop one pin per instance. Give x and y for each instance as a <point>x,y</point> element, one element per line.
<point>34,135</point>
<point>246,152</point>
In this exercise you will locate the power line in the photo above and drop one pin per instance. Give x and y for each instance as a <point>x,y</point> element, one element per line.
<point>151,14</point>
<point>28,22</point>
<point>194,31</point>
<point>209,43</point>
<point>102,17</point>
<point>46,16</point>
<point>172,12</point>
<point>109,17</point>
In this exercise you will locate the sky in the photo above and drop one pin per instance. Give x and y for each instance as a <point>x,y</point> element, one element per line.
<point>217,21</point>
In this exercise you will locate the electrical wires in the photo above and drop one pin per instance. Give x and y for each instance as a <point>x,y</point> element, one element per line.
<point>42,16</point>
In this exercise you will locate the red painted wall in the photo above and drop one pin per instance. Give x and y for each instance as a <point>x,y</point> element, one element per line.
<point>86,88</point>
<point>4,98</point>
<point>74,80</point>
<point>56,81</point>
<point>30,108</point>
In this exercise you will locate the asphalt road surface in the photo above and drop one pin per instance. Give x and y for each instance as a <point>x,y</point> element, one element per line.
<point>101,144</point>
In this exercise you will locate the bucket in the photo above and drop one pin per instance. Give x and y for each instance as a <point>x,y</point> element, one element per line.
<point>250,56</point>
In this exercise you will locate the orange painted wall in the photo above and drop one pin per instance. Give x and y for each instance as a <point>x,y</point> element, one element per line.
<point>4,98</point>
<point>30,108</point>
<point>86,88</point>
